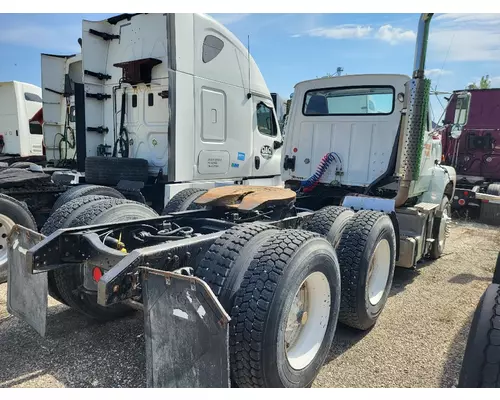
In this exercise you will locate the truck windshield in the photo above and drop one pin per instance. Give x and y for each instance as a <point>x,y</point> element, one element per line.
<point>349,101</point>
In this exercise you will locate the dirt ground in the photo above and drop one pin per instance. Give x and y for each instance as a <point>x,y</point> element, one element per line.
<point>418,341</point>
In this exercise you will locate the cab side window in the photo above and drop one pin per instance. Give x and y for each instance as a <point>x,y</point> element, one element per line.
<point>266,123</point>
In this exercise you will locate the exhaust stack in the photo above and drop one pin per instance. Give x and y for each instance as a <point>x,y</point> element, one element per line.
<point>413,124</point>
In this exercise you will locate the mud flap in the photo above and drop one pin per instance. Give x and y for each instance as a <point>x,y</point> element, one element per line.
<point>26,292</point>
<point>186,332</point>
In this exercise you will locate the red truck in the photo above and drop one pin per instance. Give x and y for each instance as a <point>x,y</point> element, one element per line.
<point>472,146</point>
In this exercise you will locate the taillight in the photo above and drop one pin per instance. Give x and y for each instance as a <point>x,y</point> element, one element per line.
<point>96,274</point>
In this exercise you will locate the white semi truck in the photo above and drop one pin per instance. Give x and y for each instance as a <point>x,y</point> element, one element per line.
<point>20,139</point>
<point>153,104</point>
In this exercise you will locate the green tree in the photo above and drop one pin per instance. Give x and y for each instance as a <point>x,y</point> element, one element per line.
<point>484,83</point>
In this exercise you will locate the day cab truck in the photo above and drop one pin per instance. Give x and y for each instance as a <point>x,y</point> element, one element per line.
<point>471,145</point>
<point>244,285</point>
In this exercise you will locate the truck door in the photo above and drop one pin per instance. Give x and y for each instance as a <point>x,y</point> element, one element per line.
<point>55,105</point>
<point>266,139</point>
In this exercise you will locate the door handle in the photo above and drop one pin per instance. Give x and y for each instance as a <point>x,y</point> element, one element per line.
<point>257,162</point>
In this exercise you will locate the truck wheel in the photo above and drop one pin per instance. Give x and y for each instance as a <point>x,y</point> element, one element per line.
<point>111,170</point>
<point>61,219</point>
<point>481,362</point>
<point>12,212</point>
<point>330,222</point>
<point>367,258</point>
<point>183,201</point>
<point>228,259</point>
<point>68,280</point>
<point>494,189</point>
<point>85,190</point>
<point>285,313</point>
<point>22,164</point>
<point>441,230</point>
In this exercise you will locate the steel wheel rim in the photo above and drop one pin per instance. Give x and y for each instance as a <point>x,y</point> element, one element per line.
<point>307,320</point>
<point>378,272</point>
<point>6,225</point>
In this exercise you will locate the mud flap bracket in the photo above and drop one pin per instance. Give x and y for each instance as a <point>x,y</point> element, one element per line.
<point>26,291</point>
<point>186,332</point>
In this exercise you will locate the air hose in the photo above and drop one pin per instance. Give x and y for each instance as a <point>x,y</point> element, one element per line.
<point>309,184</point>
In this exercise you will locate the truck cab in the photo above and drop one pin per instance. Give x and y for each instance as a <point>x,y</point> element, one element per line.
<point>19,102</point>
<point>59,74</point>
<point>182,92</point>
<point>471,145</point>
<point>357,118</point>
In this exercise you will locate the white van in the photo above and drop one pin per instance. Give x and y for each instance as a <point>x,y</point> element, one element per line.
<point>19,102</point>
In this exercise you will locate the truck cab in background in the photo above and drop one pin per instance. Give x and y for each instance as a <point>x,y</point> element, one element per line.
<point>59,75</point>
<point>21,139</point>
<point>471,143</point>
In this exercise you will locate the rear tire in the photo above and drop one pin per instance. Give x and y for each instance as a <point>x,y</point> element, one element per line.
<point>263,320</point>
<point>12,212</point>
<point>58,220</point>
<point>367,258</point>
<point>329,222</point>
<point>184,200</point>
<point>227,260</point>
<point>23,164</point>
<point>68,280</point>
<point>481,362</point>
<point>85,190</point>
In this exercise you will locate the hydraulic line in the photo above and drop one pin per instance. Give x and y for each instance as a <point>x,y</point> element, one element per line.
<point>309,184</point>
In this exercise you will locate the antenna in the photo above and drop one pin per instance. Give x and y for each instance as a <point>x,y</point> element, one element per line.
<point>249,94</point>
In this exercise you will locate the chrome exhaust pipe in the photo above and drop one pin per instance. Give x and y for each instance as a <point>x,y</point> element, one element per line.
<point>413,124</point>
<point>421,45</point>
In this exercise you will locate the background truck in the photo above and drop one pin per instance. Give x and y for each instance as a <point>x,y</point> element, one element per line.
<point>240,285</point>
<point>471,144</point>
<point>21,139</point>
<point>280,107</point>
<point>118,122</point>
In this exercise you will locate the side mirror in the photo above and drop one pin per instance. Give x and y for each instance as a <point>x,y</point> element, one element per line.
<point>462,108</point>
<point>277,144</point>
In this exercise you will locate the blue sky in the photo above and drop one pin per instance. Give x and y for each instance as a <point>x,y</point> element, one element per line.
<point>293,47</point>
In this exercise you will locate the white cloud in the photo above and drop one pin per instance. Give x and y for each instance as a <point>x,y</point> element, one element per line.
<point>61,38</point>
<point>466,37</point>
<point>436,72</point>
<point>228,19</point>
<point>469,18</point>
<point>386,33</point>
<point>341,32</point>
<point>393,35</point>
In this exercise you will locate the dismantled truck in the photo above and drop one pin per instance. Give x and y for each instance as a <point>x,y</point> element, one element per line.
<point>244,285</point>
<point>471,145</point>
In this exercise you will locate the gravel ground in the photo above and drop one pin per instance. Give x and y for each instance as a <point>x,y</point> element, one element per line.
<point>418,341</point>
